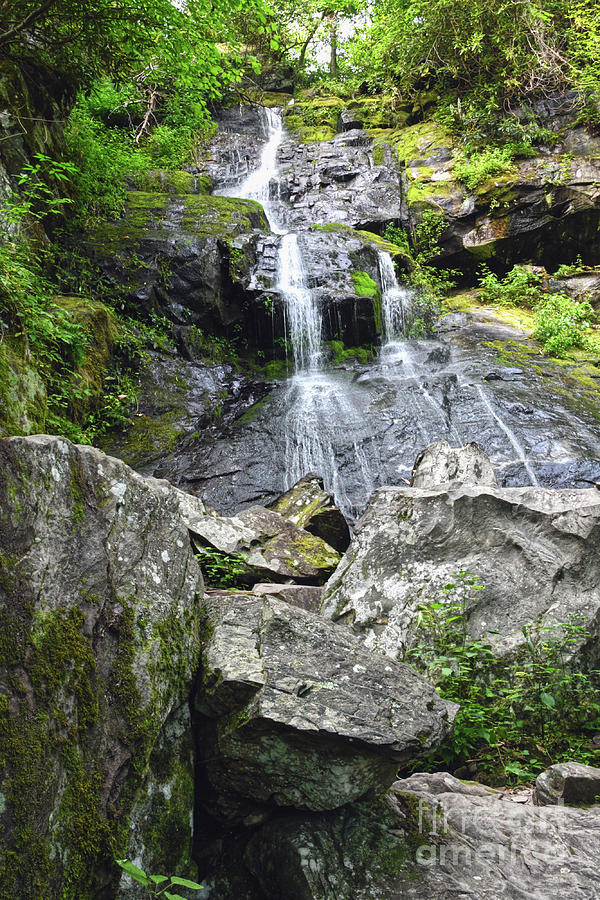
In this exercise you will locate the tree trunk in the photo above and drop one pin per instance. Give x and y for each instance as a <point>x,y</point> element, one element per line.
<point>333,66</point>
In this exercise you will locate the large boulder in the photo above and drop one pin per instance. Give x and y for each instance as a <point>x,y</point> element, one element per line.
<point>569,782</point>
<point>169,254</point>
<point>295,713</point>
<point>262,541</point>
<point>308,505</point>
<point>535,551</point>
<point>99,624</point>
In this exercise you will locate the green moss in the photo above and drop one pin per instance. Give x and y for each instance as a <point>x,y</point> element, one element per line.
<point>149,437</point>
<point>314,119</point>
<point>341,354</point>
<point>172,182</point>
<point>269,98</point>
<point>23,402</point>
<point>253,413</point>
<point>364,285</point>
<point>202,216</point>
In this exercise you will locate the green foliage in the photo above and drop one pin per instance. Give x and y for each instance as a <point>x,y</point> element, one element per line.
<point>221,570</point>
<point>398,236</point>
<point>519,714</point>
<point>158,885</point>
<point>560,323</point>
<point>571,268</point>
<point>428,231</point>
<point>478,168</point>
<point>520,287</point>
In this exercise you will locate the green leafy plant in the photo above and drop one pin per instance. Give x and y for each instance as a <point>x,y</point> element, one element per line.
<point>158,885</point>
<point>221,570</point>
<point>520,287</point>
<point>560,323</point>
<point>519,714</point>
<point>478,168</point>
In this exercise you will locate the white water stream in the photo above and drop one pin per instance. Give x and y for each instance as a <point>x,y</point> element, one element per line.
<point>325,431</point>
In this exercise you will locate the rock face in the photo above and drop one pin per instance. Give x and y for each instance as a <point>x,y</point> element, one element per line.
<point>100,633</point>
<point>264,542</point>
<point>470,840</point>
<point>570,783</point>
<point>170,253</point>
<point>311,507</point>
<point>535,551</point>
<point>295,713</point>
<point>543,208</point>
<point>440,463</point>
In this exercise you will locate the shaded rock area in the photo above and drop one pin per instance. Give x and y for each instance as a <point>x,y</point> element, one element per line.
<point>571,783</point>
<point>545,208</point>
<point>99,608</point>
<point>307,597</point>
<point>311,507</point>
<point>534,550</point>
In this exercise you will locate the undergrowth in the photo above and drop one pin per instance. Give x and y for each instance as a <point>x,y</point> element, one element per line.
<point>518,713</point>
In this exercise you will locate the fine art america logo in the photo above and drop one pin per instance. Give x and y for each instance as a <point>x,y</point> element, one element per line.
<point>522,837</point>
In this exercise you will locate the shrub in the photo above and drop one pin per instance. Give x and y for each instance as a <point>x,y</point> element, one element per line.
<point>478,168</point>
<point>517,715</point>
<point>520,287</point>
<point>559,323</point>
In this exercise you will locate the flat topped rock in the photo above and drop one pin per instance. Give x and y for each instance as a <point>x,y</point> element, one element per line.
<point>570,782</point>
<point>440,463</point>
<point>536,552</point>
<point>298,713</point>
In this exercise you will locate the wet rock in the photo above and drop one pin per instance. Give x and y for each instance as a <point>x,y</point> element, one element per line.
<point>100,621</point>
<point>535,551</point>
<point>266,544</point>
<point>169,254</point>
<point>304,596</point>
<point>570,783</point>
<point>580,286</point>
<point>440,463</point>
<point>298,714</point>
<point>309,506</point>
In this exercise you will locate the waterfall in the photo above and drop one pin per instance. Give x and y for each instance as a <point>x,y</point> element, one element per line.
<point>395,300</point>
<point>258,185</point>
<point>303,320</point>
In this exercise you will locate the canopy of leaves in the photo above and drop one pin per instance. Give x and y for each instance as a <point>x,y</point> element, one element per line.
<point>505,51</point>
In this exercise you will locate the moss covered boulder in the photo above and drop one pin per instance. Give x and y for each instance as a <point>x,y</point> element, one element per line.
<point>260,543</point>
<point>169,254</point>
<point>99,623</point>
<point>308,505</point>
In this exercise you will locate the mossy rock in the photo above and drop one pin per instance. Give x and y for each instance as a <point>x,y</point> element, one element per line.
<point>193,215</point>
<point>161,181</point>
<point>23,401</point>
<point>101,330</point>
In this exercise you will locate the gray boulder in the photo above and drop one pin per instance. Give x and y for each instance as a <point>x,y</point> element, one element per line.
<point>472,841</point>
<point>308,505</point>
<point>569,782</point>
<point>295,713</point>
<point>535,550</point>
<point>263,541</point>
<point>440,463</point>
<point>99,617</point>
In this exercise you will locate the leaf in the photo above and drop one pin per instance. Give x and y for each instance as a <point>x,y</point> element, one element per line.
<point>158,879</point>
<point>547,700</point>
<point>135,873</point>
<point>185,882</point>
<point>173,896</point>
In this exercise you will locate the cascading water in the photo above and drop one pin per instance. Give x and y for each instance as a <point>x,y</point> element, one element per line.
<point>319,414</point>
